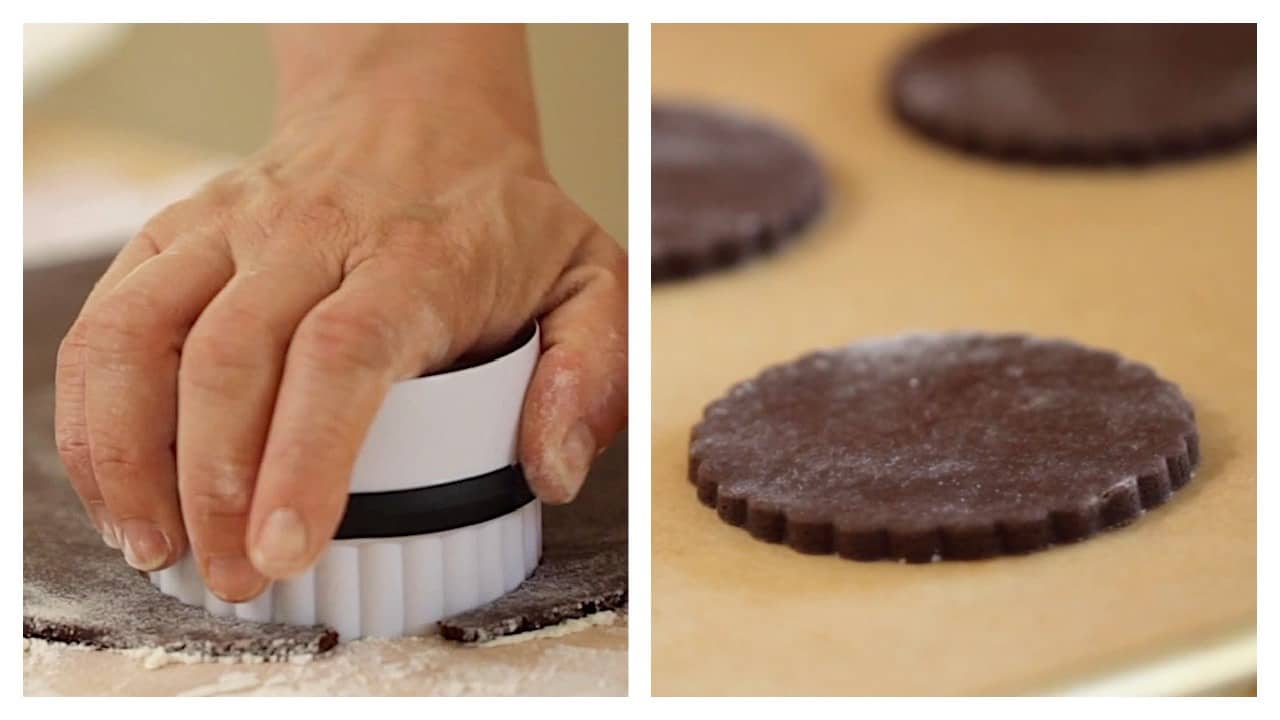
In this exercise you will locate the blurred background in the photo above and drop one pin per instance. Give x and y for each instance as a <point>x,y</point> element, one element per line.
<point>119,120</point>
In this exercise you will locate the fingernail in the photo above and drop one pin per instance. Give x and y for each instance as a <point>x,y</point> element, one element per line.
<point>102,521</point>
<point>233,579</point>
<point>569,470</point>
<point>145,547</point>
<point>282,544</point>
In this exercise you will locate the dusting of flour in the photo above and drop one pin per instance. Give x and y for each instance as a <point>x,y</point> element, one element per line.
<point>568,627</point>
<point>567,661</point>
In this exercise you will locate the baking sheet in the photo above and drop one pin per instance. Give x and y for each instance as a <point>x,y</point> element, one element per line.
<point>1158,264</point>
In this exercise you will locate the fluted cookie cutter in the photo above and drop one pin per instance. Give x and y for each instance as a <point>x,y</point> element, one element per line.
<point>439,521</point>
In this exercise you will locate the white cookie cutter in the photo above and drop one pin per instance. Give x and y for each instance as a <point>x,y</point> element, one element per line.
<point>441,454</point>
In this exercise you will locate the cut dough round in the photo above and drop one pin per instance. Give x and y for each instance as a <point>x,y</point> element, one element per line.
<point>931,446</point>
<point>1083,93</point>
<point>725,188</point>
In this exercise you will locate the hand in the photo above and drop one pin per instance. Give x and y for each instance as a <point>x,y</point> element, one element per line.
<point>220,378</point>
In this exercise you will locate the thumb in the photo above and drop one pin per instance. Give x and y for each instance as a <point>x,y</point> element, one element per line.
<point>577,400</point>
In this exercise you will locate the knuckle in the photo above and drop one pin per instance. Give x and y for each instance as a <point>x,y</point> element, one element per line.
<point>566,358</point>
<point>326,213</point>
<point>605,284</point>
<point>321,229</point>
<point>218,485</point>
<point>112,460</point>
<point>230,500</point>
<point>71,348</point>
<point>607,261</point>
<point>231,341</point>
<point>73,446</point>
<point>71,440</point>
<point>122,324</point>
<point>158,232</point>
<point>198,213</point>
<point>612,278</point>
<point>218,199</point>
<point>294,222</point>
<point>616,264</point>
<point>154,235</point>
<point>345,338</point>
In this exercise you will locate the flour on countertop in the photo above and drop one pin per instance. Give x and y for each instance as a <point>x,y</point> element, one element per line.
<point>593,665</point>
<point>227,683</point>
<point>568,627</point>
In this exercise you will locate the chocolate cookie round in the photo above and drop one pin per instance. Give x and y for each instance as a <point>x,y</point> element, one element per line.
<point>726,187</point>
<point>932,446</point>
<point>1083,94</point>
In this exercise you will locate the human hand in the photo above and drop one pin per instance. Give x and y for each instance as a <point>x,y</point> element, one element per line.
<point>220,378</point>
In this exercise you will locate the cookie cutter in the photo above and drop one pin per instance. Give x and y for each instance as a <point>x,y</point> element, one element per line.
<point>439,519</point>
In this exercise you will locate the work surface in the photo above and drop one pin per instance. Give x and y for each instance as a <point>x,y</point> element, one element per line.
<point>1158,264</point>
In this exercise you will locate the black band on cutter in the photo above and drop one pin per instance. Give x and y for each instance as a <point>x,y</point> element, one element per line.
<point>436,508</point>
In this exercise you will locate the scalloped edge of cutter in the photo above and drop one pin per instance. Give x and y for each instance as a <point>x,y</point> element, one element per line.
<point>386,587</point>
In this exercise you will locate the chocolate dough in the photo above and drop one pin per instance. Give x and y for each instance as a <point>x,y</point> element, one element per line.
<point>1085,93</point>
<point>941,446</point>
<point>726,187</point>
<point>77,590</point>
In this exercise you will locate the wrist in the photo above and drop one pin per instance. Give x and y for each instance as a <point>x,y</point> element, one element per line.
<point>430,73</point>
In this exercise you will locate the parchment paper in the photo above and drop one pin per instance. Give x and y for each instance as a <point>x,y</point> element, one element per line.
<point>1158,264</point>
